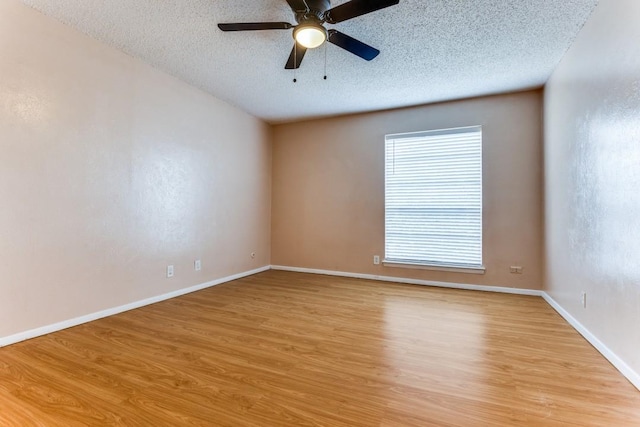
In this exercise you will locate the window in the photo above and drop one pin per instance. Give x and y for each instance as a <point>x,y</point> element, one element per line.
<point>433,198</point>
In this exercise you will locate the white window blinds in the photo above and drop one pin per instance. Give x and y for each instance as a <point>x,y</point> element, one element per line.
<point>433,198</point>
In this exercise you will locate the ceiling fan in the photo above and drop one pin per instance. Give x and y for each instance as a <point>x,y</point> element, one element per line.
<point>311,15</point>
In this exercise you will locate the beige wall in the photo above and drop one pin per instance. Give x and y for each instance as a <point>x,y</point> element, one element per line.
<point>592,158</point>
<point>110,171</point>
<point>328,188</point>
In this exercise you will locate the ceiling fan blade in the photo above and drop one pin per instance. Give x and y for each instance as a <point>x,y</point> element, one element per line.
<point>298,5</point>
<point>295,59</point>
<point>352,45</point>
<point>252,26</point>
<point>356,8</point>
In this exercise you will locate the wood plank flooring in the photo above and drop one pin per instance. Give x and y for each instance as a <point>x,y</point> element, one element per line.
<point>289,349</point>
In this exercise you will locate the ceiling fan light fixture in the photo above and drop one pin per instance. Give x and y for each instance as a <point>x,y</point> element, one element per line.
<point>310,35</point>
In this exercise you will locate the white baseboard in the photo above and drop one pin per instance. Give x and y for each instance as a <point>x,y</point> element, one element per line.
<point>44,330</point>
<point>616,361</point>
<point>485,288</point>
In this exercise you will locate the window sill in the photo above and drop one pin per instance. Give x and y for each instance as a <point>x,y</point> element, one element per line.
<point>467,270</point>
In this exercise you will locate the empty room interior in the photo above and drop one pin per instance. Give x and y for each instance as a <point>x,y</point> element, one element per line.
<point>315,213</point>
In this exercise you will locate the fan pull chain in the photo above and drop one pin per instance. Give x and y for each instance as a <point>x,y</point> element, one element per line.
<point>295,61</point>
<point>325,60</point>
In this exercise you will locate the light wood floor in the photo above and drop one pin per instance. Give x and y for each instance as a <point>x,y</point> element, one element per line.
<point>285,349</point>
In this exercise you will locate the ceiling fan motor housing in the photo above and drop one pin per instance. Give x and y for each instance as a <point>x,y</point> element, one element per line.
<point>315,14</point>
<point>317,7</point>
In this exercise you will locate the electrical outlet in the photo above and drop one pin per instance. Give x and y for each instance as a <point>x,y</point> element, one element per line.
<point>169,271</point>
<point>515,269</point>
<point>583,299</point>
<point>376,259</point>
<point>197,265</point>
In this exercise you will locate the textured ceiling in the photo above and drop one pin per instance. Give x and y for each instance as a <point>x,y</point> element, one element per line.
<point>432,50</point>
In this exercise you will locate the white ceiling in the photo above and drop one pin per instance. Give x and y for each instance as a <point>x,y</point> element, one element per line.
<point>432,50</point>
